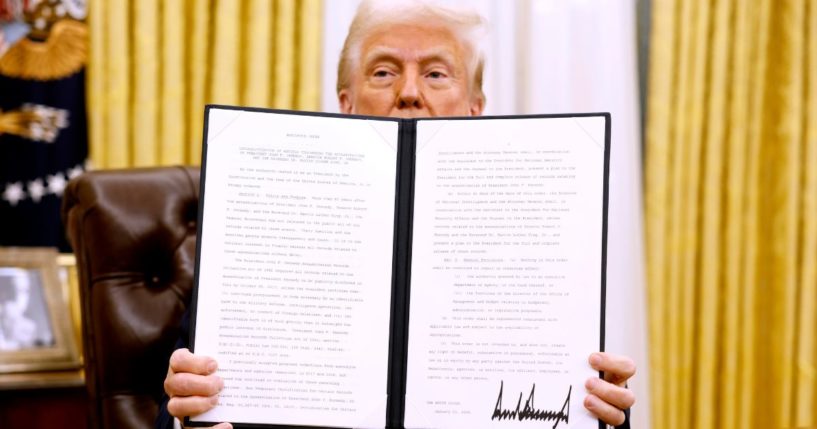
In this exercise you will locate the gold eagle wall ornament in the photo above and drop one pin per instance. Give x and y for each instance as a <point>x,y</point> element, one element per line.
<point>62,54</point>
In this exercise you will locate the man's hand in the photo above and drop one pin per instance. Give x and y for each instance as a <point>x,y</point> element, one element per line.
<point>192,385</point>
<point>607,398</point>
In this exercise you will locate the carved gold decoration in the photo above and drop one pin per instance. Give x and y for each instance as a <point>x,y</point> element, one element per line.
<point>16,122</point>
<point>34,122</point>
<point>64,53</point>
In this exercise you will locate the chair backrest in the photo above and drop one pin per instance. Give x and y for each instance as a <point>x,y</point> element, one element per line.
<point>134,236</point>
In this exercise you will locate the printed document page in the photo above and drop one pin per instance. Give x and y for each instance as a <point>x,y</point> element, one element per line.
<point>296,267</point>
<point>506,282</point>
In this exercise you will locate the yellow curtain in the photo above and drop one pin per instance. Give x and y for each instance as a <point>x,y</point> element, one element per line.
<point>154,64</point>
<point>731,209</point>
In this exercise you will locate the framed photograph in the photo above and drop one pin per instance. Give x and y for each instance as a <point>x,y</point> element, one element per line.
<point>36,328</point>
<point>69,280</point>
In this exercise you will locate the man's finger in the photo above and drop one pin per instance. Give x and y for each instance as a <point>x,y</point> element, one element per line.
<point>187,384</point>
<point>183,361</point>
<point>604,411</point>
<point>620,397</point>
<point>617,369</point>
<point>181,407</point>
<point>219,426</point>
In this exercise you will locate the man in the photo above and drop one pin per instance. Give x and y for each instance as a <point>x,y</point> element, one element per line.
<point>404,61</point>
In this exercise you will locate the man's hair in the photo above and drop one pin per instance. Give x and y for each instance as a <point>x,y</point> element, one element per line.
<point>468,27</point>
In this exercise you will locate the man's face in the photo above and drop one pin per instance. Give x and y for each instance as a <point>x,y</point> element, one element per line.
<point>410,71</point>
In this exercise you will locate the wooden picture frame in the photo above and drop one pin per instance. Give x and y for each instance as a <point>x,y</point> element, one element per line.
<point>69,279</point>
<point>36,328</point>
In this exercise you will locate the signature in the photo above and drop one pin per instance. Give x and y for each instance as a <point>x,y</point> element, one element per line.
<point>529,411</point>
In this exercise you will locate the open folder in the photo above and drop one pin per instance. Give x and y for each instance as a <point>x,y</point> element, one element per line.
<point>368,272</point>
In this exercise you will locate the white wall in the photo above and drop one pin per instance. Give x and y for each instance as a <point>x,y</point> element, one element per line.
<point>548,56</point>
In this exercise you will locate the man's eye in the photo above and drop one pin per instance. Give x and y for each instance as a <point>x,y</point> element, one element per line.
<point>381,73</point>
<point>436,75</point>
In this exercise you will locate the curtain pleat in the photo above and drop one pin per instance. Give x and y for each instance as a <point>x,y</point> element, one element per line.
<point>286,42</point>
<point>806,367</point>
<point>171,133</point>
<point>258,86</point>
<point>788,32</point>
<point>713,138</point>
<point>656,201</point>
<point>116,94</point>
<point>198,72</point>
<point>310,62</point>
<point>753,267</point>
<point>145,106</point>
<point>225,63</point>
<point>155,64</point>
<point>96,82</point>
<point>731,208</point>
<point>737,89</point>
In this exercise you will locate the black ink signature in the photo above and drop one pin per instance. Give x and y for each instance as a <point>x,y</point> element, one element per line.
<point>529,412</point>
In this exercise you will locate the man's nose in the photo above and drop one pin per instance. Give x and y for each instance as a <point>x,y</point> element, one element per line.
<point>409,95</point>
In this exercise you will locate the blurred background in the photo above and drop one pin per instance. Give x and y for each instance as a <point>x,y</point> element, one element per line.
<point>712,260</point>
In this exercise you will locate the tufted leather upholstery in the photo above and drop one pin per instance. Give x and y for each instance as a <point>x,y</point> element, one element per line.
<point>134,236</point>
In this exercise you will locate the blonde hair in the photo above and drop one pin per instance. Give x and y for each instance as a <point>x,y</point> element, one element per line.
<point>468,27</point>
